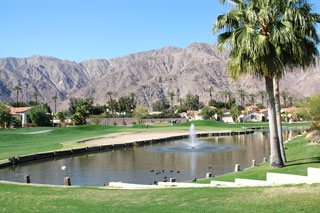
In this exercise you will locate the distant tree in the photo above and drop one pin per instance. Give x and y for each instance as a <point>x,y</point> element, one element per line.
<point>160,105</point>
<point>207,113</point>
<point>284,95</point>
<point>73,103</point>
<point>140,113</point>
<point>133,101</point>
<point>252,98</point>
<point>228,94</point>
<point>210,91</point>
<point>5,116</point>
<point>35,95</point>
<point>235,112</point>
<point>54,98</point>
<point>17,89</point>
<point>180,100</point>
<point>242,94</point>
<point>39,116</point>
<point>262,94</point>
<point>61,116</point>
<point>171,95</point>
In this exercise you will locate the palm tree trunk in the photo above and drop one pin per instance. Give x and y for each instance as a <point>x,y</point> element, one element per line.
<point>278,116</point>
<point>275,155</point>
<point>17,98</point>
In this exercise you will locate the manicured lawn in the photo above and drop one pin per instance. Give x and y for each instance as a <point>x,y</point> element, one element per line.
<point>17,198</point>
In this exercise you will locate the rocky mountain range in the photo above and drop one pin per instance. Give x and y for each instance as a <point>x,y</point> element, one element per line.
<point>151,75</point>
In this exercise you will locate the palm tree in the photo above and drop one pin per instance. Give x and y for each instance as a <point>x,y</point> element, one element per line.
<point>261,35</point>
<point>242,94</point>
<point>109,94</point>
<point>290,100</point>
<point>228,95</point>
<point>17,89</point>
<point>210,90</point>
<point>252,97</point>
<point>111,104</point>
<point>54,98</point>
<point>284,95</point>
<point>35,95</point>
<point>180,100</point>
<point>171,95</point>
<point>133,103</point>
<point>262,94</point>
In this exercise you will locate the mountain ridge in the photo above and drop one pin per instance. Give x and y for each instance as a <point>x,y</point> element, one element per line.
<point>150,74</point>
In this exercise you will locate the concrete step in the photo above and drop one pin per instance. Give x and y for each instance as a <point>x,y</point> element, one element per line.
<point>183,185</point>
<point>250,182</point>
<point>277,178</point>
<point>215,183</point>
<point>314,175</point>
<point>121,185</point>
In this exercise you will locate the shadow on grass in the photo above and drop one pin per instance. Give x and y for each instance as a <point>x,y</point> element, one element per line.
<point>310,161</point>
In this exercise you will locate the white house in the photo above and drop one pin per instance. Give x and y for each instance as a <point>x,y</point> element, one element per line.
<point>253,114</point>
<point>20,113</point>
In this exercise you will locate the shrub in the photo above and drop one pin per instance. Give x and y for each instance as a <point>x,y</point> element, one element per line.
<point>5,116</point>
<point>39,116</point>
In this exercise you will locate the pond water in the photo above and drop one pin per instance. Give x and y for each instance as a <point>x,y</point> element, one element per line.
<point>147,164</point>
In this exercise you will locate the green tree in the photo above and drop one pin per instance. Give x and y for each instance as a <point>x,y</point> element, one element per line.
<point>242,94</point>
<point>210,91</point>
<point>140,113</point>
<point>207,113</point>
<point>133,102</point>
<point>160,105</point>
<point>252,98</point>
<point>5,116</point>
<point>235,112</point>
<point>35,95</point>
<point>17,89</point>
<point>171,95</point>
<point>262,94</point>
<point>261,35</point>
<point>39,116</point>
<point>54,98</point>
<point>284,95</point>
<point>61,116</point>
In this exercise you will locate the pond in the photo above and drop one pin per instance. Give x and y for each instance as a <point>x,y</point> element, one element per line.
<point>147,164</point>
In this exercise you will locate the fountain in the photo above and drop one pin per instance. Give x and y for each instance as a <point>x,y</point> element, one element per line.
<point>193,145</point>
<point>192,137</point>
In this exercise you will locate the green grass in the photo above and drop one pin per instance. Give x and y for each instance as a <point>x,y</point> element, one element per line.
<point>17,198</point>
<point>300,156</point>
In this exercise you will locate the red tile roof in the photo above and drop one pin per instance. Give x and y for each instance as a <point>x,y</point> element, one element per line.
<point>15,110</point>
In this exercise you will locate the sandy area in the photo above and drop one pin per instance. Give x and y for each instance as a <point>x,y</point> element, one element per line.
<point>126,137</point>
<point>38,132</point>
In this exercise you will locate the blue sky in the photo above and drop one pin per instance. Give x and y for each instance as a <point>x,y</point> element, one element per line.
<point>78,30</point>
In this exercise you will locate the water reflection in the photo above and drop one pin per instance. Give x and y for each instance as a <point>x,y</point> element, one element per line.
<point>134,165</point>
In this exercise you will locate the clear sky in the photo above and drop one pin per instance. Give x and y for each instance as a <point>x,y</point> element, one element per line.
<point>78,30</point>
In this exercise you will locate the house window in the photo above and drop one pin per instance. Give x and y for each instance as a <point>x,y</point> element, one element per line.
<point>252,117</point>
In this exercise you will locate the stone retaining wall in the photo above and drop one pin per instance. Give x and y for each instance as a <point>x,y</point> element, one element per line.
<point>59,153</point>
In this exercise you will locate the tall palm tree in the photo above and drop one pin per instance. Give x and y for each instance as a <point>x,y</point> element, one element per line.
<point>171,95</point>
<point>210,91</point>
<point>133,103</point>
<point>290,100</point>
<point>242,94</point>
<point>252,98</point>
<point>54,98</point>
<point>180,100</point>
<point>35,95</point>
<point>262,94</point>
<point>109,94</point>
<point>261,34</point>
<point>284,95</point>
<point>17,89</point>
